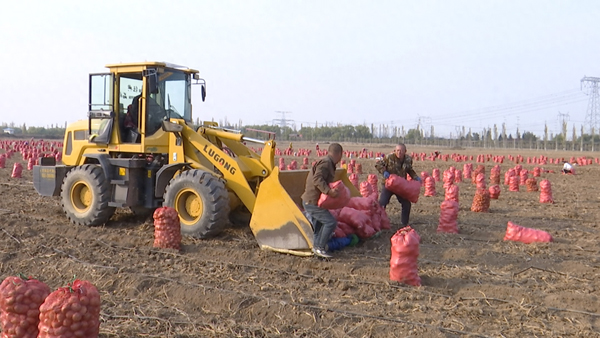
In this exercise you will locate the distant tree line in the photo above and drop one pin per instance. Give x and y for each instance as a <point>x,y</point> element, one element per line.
<point>52,131</point>
<point>340,133</point>
<point>490,137</point>
<point>464,138</point>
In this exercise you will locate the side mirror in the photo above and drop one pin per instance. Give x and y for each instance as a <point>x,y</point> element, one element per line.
<point>203,93</point>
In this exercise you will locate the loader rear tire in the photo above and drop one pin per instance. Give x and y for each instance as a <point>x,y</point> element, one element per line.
<point>85,194</point>
<point>201,201</point>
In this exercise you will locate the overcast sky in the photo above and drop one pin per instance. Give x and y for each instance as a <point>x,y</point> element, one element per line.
<point>444,63</point>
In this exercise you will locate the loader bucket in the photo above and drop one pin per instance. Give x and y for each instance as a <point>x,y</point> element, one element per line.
<point>277,221</point>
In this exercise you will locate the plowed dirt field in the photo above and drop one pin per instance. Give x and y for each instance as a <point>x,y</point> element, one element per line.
<point>474,283</point>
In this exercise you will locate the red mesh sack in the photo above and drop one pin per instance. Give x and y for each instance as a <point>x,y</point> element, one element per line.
<point>2,161</point>
<point>537,172</point>
<point>448,216</point>
<point>451,193</point>
<point>531,184</point>
<point>385,220</point>
<point>362,203</point>
<point>429,187</point>
<point>494,191</point>
<point>376,219</point>
<point>372,179</point>
<point>20,301</point>
<point>406,189</point>
<point>481,201</point>
<point>479,170</point>
<point>518,169</point>
<point>72,311</point>
<point>17,170</point>
<point>365,232</point>
<point>405,252</point>
<point>365,189</point>
<point>467,170</point>
<point>354,218</point>
<point>513,183</point>
<point>546,192</point>
<point>525,235</point>
<point>328,202</point>
<point>523,176</point>
<point>167,228</point>
<point>448,177</point>
<point>354,180</point>
<point>424,175</point>
<point>495,175</point>
<point>436,174</point>
<point>338,232</point>
<point>507,175</point>
<point>457,176</point>
<point>348,230</point>
<point>480,181</point>
<point>335,213</point>
<point>359,169</point>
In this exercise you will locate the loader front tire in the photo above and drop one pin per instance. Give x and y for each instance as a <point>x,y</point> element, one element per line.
<point>85,194</point>
<point>201,201</point>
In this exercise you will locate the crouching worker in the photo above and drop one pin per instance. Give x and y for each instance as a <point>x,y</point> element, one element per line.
<point>317,182</point>
<point>397,163</point>
<point>568,168</point>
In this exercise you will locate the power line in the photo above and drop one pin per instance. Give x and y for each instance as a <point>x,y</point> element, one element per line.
<point>514,108</point>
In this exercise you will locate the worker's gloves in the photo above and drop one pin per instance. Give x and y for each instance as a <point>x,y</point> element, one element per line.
<point>418,179</point>
<point>386,175</point>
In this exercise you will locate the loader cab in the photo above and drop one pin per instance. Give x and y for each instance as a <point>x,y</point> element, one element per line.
<point>128,104</point>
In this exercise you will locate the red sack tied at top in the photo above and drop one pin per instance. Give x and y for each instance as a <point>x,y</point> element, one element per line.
<point>525,235</point>
<point>451,193</point>
<point>363,203</point>
<point>494,191</point>
<point>366,189</point>
<point>546,192</point>
<point>405,251</point>
<point>328,202</point>
<point>406,189</point>
<point>448,216</point>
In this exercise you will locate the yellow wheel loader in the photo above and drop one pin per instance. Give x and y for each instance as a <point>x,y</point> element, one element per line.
<point>138,149</point>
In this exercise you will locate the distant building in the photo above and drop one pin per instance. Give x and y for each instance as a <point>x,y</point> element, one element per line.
<point>9,131</point>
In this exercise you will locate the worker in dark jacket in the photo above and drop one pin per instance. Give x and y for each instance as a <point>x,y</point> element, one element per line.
<point>317,182</point>
<point>397,163</point>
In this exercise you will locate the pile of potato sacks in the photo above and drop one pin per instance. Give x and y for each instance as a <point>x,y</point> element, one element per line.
<point>29,310</point>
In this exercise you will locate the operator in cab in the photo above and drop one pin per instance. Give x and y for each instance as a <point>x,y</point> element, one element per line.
<point>155,114</point>
<point>317,183</point>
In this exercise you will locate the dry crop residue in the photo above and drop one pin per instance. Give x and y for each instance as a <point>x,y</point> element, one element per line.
<point>473,282</point>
